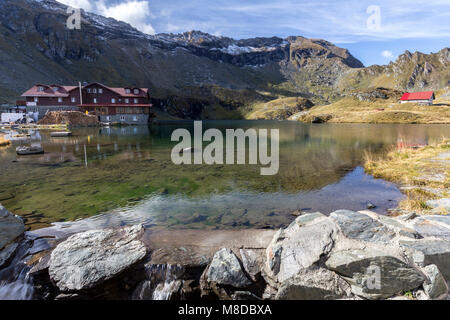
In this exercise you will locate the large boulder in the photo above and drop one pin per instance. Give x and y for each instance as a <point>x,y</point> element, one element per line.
<point>429,251</point>
<point>87,259</point>
<point>360,226</point>
<point>373,274</point>
<point>314,284</point>
<point>11,227</point>
<point>436,287</point>
<point>225,269</point>
<point>299,246</point>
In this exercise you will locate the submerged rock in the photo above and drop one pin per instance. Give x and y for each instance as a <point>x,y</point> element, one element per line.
<point>374,274</point>
<point>86,259</point>
<point>225,269</point>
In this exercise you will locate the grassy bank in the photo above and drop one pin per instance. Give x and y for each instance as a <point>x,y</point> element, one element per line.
<point>422,173</point>
<point>351,110</point>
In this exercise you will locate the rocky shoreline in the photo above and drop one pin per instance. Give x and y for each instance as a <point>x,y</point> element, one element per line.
<point>346,255</point>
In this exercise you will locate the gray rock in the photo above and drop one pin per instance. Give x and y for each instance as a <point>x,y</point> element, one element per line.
<point>398,227</point>
<point>359,226</point>
<point>7,253</point>
<point>253,262</point>
<point>444,220</point>
<point>11,227</point>
<point>436,288</point>
<point>407,216</point>
<point>225,269</point>
<point>431,228</point>
<point>374,275</point>
<point>443,203</point>
<point>86,259</point>
<point>314,284</point>
<point>244,295</point>
<point>425,252</point>
<point>299,247</point>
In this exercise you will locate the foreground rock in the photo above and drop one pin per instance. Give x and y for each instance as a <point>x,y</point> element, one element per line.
<point>11,229</point>
<point>373,274</point>
<point>436,286</point>
<point>347,255</point>
<point>89,258</point>
<point>225,269</point>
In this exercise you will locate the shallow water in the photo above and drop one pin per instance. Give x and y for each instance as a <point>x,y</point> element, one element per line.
<point>125,175</point>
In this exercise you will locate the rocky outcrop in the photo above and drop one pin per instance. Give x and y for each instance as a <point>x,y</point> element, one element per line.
<point>86,259</point>
<point>357,255</point>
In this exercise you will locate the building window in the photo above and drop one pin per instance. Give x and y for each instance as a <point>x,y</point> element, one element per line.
<point>94,90</point>
<point>136,91</point>
<point>122,118</point>
<point>41,89</point>
<point>127,100</point>
<point>136,101</point>
<point>89,90</point>
<point>59,99</point>
<point>36,99</point>
<point>127,91</point>
<point>113,100</point>
<point>100,90</point>
<point>95,100</point>
<point>73,99</point>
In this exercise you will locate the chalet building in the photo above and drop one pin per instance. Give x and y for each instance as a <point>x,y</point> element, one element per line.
<point>425,97</point>
<point>126,105</point>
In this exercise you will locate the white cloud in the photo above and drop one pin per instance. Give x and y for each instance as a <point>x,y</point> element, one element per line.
<point>134,12</point>
<point>387,54</point>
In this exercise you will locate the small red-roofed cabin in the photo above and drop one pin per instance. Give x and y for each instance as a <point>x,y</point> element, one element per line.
<point>425,98</point>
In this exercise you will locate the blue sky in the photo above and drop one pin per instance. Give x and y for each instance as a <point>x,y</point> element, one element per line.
<point>375,31</point>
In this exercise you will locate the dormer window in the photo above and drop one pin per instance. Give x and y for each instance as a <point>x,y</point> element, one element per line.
<point>136,91</point>
<point>55,89</point>
<point>41,89</point>
<point>127,91</point>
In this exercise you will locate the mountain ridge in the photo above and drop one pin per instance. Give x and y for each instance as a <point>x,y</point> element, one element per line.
<point>193,74</point>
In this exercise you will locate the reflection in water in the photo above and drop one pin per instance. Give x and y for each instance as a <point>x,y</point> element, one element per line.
<point>127,171</point>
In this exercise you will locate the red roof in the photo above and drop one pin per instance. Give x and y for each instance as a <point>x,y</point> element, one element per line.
<point>63,91</point>
<point>60,91</point>
<point>426,95</point>
<point>130,105</point>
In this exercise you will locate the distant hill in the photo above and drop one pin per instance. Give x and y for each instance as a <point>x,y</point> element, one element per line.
<point>191,75</point>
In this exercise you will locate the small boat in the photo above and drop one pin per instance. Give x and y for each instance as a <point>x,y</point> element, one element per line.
<point>61,134</point>
<point>24,151</point>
